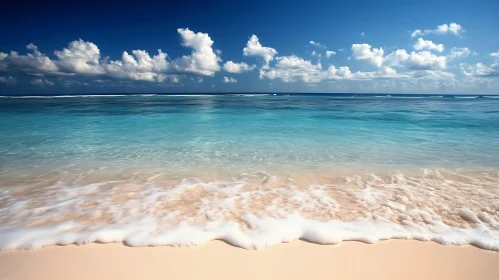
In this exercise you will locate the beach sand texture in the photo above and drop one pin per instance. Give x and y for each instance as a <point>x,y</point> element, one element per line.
<point>393,259</point>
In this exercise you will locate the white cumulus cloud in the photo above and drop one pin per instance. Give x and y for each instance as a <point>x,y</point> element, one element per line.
<point>203,60</point>
<point>233,67</point>
<point>317,44</point>
<point>33,63</point>
<point>84,58</point>
<point>139,66</point>
<point>229,80</point>
<point>254,48</point>
<point>314,53</point>
<point>480,70</point>
<point>457,53</point>
<point>452,28</point>
<point>424,60</point>
<point>364,52</point>
<point>330,53</point>
<point>292,68</point>
<point>80,57</point>
<point>423,44</point>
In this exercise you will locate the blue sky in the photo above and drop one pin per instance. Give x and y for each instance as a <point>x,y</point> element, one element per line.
<point>250,46</point>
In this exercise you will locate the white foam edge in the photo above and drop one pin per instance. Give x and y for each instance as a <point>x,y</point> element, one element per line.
<point>263,232</point>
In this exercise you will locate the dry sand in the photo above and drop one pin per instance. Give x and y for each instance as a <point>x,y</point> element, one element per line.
<point>394,259</point>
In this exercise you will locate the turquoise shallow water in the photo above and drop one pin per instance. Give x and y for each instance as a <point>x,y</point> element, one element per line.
<point>181,132</point>
<point>253,170</point>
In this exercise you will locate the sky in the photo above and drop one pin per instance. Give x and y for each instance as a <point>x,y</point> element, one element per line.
<point>386,46</point>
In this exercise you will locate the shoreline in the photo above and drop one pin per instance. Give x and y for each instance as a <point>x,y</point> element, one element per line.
<point>391,259</point>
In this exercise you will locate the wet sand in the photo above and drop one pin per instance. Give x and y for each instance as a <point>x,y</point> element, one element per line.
<point>393,259</point>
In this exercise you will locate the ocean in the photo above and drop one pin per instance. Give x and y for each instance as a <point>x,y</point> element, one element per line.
<point>250,169</point>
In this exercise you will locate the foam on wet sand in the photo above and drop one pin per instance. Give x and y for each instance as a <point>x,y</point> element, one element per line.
<point>250,210</point>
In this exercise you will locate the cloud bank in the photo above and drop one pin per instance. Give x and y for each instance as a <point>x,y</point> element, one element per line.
<point>84,58</point>
<point>452,28</point>
<point>427,61</point>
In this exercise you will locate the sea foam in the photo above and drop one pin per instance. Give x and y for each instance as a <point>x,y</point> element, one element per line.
<point>251,210</point>
<point>263,232</point>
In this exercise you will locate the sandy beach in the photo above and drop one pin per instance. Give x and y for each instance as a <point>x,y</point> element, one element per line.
<point>394,259</point>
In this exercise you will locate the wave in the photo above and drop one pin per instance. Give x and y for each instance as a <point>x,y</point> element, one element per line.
<point>248,95</point>
<point>144,95</point>
<point>254,211</point>
<point>187,95</point>
<point>410,97</point>
<point>494,97</point>
<point>466,97</point>
<point>264,232</point>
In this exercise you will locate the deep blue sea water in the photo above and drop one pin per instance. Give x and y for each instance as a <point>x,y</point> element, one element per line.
<point>155,162</point>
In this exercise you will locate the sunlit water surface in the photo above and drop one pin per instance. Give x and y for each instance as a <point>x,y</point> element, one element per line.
<point>253,170</point>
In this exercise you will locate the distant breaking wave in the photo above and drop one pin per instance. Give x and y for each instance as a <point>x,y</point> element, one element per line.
<point>248,94</point>
<point>466,97</point>
<point>145,95</point>
<point>186,95</point>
